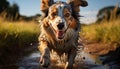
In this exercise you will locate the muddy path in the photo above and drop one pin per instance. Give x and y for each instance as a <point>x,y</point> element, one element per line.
<point>31,61</point>
<point>86,59</point>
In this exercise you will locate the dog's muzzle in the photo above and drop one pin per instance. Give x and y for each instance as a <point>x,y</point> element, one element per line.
<point>60,31</point>
<point>60,26</point>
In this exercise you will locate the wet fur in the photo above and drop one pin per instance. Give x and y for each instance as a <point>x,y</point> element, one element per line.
<point>48,41</point>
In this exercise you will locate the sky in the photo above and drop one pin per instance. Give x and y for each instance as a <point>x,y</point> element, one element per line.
<point>32,7</point>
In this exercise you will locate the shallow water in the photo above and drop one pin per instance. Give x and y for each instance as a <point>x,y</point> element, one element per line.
<point>31,61</point>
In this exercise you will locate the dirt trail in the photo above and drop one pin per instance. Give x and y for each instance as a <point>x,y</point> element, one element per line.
<point>96,48</point>
<point>31,62</point>
<point>105,54</point>
<point>83,61</point>
<point>88,58</point>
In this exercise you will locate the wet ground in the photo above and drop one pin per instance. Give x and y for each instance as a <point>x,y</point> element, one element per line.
<point>83,61</point>
<point>32,62</point>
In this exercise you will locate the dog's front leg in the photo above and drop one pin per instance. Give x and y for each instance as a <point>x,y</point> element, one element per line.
<point>45,56</point>
<point>71,57</point>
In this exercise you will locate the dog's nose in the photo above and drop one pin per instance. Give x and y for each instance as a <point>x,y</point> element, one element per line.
<point>60,26</point>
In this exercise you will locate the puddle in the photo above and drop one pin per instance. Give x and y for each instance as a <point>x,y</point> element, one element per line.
<point>31,61</point>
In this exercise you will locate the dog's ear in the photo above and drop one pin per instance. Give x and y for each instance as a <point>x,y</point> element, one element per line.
<point>73,23</point>
<point>75,4</point>
<point>45,4</point>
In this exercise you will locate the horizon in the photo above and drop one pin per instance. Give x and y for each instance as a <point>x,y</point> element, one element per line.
<point>28,8</point>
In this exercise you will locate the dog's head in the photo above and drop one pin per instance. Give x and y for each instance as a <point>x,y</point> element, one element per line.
<point>60,16</point>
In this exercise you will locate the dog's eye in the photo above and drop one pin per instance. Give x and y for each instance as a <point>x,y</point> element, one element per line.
<point>54,14</point>
<point>67,15</point>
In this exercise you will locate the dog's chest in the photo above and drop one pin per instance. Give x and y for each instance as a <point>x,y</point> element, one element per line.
<point>61,46</point>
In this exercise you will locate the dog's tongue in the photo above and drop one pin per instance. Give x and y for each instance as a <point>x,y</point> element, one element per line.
<point>60,33</point>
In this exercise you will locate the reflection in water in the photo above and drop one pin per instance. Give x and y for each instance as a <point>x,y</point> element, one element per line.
<point>31,61</point>
<point>91,62</point>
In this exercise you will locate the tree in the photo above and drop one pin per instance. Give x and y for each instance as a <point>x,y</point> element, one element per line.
<point>12,12</point>
<point>108,13</point>
<point>4,4</point>
<point>9,12</point>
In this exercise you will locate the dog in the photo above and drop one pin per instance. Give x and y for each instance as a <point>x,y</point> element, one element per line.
<point>60,30</point>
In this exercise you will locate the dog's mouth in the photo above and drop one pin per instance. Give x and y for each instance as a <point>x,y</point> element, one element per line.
<point>60,34</point>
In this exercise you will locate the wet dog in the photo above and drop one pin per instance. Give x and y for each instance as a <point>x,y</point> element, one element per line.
<point>60,30</point>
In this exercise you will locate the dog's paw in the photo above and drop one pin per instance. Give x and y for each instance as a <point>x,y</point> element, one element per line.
<point>45,61</point>
<point>68,66</point>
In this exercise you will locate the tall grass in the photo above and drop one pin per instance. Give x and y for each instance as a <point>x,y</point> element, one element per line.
<point>106,32</point>
<point>18,34</point>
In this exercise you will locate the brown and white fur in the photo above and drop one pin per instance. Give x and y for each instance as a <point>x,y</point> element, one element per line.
<point>60,30</point>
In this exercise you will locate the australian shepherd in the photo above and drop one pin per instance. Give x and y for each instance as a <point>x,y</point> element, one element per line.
<point>60,30</point>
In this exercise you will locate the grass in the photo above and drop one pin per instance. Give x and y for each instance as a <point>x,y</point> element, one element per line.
<point>15,37</point>
<point>18,34</point>
<point>105,32</point>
